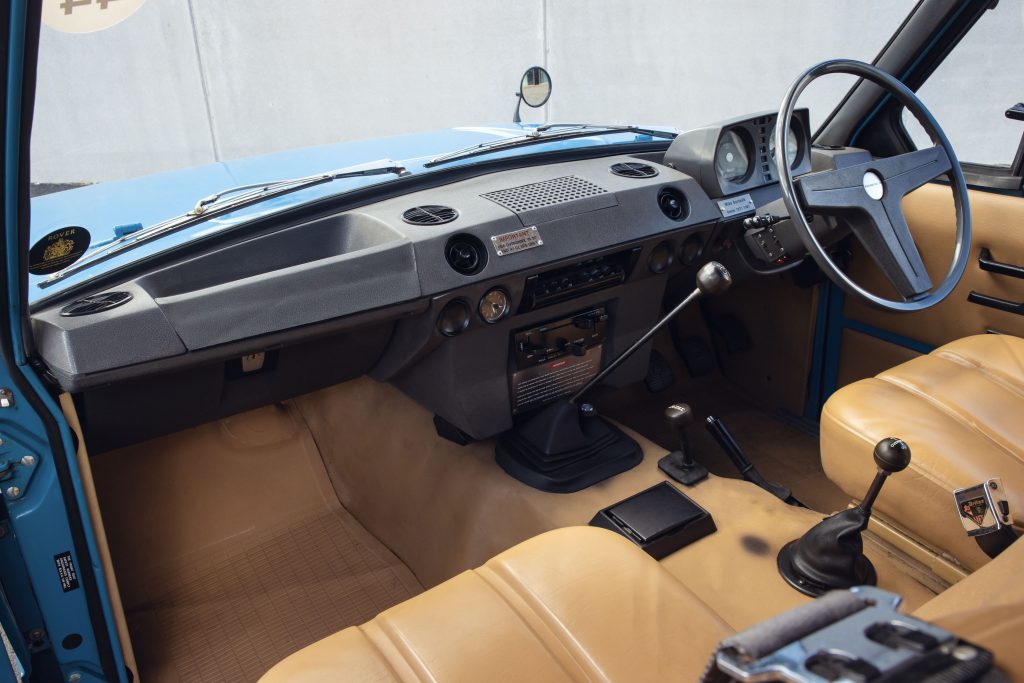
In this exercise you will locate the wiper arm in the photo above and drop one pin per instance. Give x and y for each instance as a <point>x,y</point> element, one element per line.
<point>216,204</point>
<point>545,133</point>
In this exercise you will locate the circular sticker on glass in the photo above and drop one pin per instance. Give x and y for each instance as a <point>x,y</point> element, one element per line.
<point>58,250</point>
<point>86,16</point>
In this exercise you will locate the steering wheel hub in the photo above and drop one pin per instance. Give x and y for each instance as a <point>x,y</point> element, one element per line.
<point>873,185</point>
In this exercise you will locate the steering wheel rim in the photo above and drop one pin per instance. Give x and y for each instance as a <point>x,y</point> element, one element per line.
<point>904,270</point>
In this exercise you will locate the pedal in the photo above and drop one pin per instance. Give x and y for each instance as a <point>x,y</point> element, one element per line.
<point>733,332</point>
<point>697,356</point>
<point>660,375</point>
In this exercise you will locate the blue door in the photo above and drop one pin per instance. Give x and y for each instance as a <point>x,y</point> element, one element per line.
<point>54,606</point>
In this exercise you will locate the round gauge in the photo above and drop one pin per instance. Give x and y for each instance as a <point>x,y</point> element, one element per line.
<point>732,161</point>
<point>494,306</point>
<point>792,146</point>
<point>454,318</point>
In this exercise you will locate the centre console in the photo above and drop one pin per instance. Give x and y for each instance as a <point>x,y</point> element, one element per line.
<point>557,358</point>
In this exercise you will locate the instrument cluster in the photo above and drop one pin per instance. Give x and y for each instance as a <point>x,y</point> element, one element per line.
<point>738,155</point>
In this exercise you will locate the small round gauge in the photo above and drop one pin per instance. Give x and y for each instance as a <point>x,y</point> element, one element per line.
<point>732,161</point>
<point>494,306</point>
<point>792,146</point>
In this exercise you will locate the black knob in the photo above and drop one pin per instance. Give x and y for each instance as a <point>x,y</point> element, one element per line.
<point>713,278</point>
<point>892,455</point>
<point>588,411</point>
<point>679,416</point>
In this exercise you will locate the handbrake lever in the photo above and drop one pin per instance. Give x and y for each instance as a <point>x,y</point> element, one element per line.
<point>746,468</point>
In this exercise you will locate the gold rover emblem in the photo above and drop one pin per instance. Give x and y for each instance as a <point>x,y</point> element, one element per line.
<point>58,249</point>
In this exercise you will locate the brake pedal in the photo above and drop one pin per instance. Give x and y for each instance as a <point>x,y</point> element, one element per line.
<point>660,375</point>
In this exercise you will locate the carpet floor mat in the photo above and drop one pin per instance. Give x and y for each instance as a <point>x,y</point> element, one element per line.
<point>232,550</point>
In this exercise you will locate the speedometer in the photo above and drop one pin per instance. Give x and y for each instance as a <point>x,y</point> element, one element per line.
<point>732,161</point>
<point>792,146</point>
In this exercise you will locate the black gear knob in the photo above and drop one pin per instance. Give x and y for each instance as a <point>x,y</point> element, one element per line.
<point>713,278</point>
<point>892,455</point>
<point>679,416</point>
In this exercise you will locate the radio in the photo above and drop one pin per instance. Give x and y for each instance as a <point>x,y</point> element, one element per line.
<point>557,358</point>
<point>578,279</point>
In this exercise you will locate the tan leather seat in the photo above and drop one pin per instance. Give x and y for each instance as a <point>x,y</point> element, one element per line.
<point>961,410</point>
<point>987,608</point>
<point>575,604</point>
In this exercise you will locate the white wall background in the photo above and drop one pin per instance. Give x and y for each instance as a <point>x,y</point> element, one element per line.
<point>186,82</point>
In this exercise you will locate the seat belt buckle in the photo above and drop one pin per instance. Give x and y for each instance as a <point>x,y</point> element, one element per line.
<point>855,635</point>
<point>983,508</point>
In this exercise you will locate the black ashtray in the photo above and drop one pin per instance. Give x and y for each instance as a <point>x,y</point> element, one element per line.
<point>661,520</point>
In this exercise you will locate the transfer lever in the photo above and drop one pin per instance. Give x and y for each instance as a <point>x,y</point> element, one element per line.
<point>680,464</point>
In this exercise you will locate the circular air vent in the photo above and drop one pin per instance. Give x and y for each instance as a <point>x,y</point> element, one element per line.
<point>95,304</point>
<point>673,204</point>
<point>432,214</point>
<point>633,169</point>
<point>465,254</point>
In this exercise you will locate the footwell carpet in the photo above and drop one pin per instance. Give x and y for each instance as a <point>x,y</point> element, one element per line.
<point>232,550</point>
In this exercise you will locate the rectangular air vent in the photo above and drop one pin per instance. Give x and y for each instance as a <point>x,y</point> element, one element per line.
<point>545,193</point>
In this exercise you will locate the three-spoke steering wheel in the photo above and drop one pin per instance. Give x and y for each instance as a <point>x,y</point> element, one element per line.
<point>871,194</point>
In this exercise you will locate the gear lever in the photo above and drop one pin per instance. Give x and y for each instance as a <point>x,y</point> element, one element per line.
<point>680,464</point>
<point>830,555</point>
<point>567,446</point>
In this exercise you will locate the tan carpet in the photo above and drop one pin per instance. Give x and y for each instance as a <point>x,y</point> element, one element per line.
<point>232,549</point>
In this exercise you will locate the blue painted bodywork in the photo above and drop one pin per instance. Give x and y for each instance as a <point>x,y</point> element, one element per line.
<point>102,208</point>
<point>37,528</point>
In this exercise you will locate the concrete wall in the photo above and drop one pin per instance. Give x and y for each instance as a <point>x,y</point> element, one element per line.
<point>185,82</point>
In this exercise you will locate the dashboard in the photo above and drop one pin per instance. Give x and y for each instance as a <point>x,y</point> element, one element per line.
<point>482,298</point>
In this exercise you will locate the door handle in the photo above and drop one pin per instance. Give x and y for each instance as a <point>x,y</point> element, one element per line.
<point>986,262</point>
<point>995,302</point>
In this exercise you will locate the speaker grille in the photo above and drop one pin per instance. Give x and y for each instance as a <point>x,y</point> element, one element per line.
<point>545,193</point>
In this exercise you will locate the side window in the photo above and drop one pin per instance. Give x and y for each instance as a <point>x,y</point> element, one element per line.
<point>970,92</point>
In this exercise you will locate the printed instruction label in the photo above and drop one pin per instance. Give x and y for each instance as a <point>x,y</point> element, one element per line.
<point>518,240</point>
<point>66,571</point>
<point>733,206</point>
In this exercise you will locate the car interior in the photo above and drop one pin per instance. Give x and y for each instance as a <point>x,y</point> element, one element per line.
<point>568,416</point>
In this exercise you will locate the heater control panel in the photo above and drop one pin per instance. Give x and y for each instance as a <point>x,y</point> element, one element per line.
<point>556,359</point>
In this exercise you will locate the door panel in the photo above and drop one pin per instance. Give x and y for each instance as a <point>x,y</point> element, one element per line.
<point>998,222</point>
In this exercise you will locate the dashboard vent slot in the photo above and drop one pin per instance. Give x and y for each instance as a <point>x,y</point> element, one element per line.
<point>95,304</point>
<point>465,254</point>
<point>431,214</point>
<point>545,193</point>
<point>673,203</point>
<point>633,169</point>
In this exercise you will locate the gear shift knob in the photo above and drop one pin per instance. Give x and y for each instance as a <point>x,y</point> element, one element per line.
<point>892,455</point>
<point>679,416</point>
<point>713,278</point>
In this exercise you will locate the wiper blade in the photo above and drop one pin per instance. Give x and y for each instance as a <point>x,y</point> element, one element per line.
<point>545,133</point>
<point>220,203</point>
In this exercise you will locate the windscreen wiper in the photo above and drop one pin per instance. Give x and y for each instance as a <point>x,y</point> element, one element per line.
<point>545,133</point>
<point>220,203</point>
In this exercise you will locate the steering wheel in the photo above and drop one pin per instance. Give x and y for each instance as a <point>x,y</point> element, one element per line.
<point>870,195</point>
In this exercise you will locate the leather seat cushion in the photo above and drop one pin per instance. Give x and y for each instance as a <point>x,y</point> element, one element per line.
<point>987,608</point>
<point>574,604</point>
<point>960,409</point>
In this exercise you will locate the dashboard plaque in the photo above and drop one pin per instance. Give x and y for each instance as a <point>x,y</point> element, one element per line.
<point>734,206</point>
<point>517,240</point>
